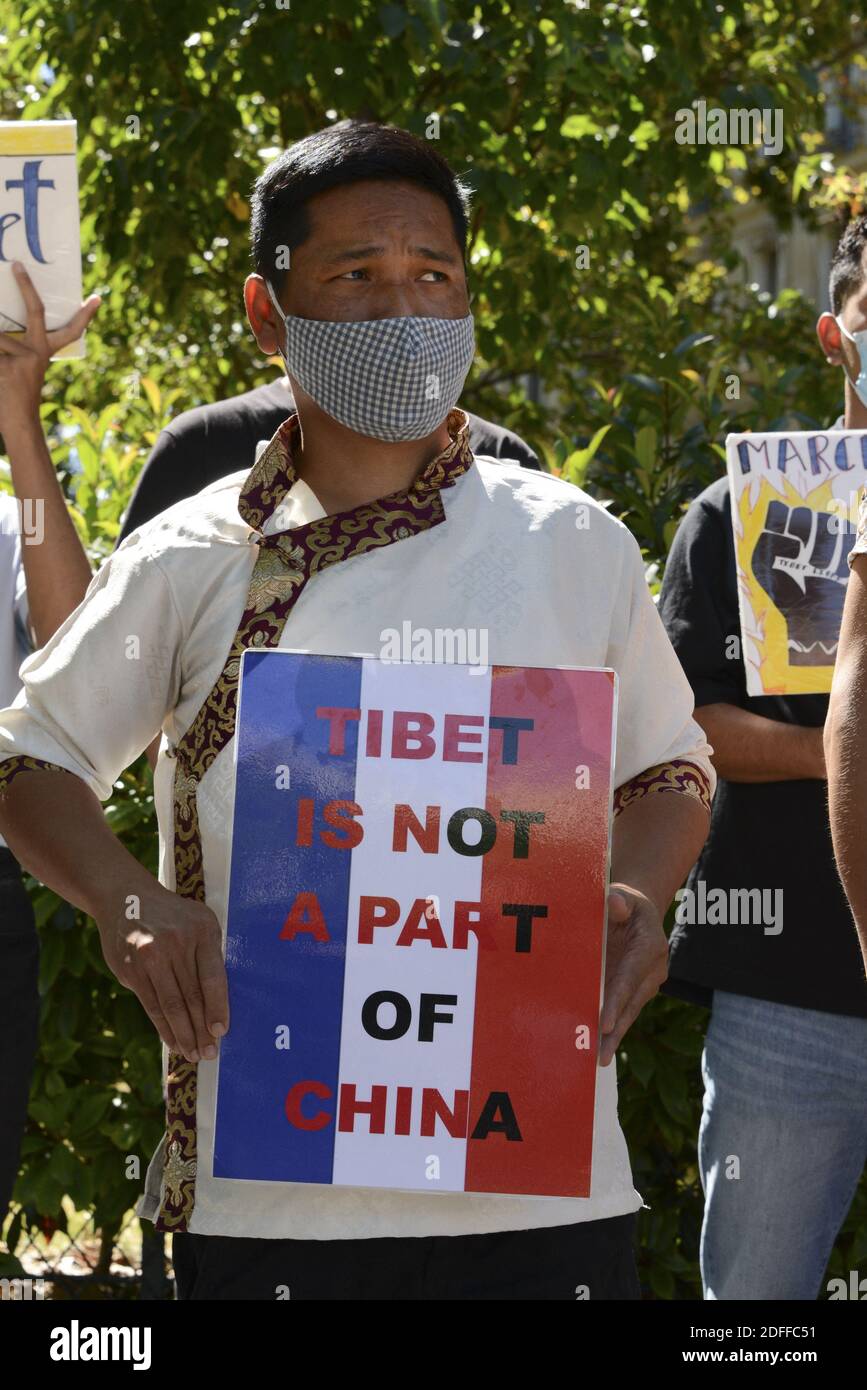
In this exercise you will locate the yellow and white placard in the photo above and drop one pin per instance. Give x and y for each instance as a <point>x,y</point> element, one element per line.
<point>39,222</point>
<point>794,501</point>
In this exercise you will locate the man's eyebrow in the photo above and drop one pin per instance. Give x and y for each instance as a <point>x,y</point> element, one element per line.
<point>354,253</point>
<point>364,253</point>
<point>428,253</point>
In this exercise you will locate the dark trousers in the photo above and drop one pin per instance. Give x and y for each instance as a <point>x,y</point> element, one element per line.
<point>591,1260</point>
<point>19,1017</point>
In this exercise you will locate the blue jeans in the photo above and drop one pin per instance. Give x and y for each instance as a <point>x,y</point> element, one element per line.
<point>782,1144</point>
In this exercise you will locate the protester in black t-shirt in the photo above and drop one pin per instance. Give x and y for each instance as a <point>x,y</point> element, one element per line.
<point>783,1134</point>
<point>205,444</point>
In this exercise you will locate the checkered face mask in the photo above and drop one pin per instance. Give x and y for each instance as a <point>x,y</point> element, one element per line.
<point>391,379</point>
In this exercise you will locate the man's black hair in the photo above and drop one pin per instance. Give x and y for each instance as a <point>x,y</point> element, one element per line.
<point>847,265</point>
<point>350,152</point>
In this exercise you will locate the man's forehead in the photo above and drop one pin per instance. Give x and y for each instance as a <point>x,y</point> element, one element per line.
<point>335,252</point>
<point>336,217</point>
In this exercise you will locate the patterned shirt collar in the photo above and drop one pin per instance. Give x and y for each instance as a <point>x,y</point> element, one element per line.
<point>273,473</point>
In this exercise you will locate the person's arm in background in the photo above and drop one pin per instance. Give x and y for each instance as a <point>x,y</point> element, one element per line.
<point>846,744</point>
<point>747,746</point>
<point>56,568</point>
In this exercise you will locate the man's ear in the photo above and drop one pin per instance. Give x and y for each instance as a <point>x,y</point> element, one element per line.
<point>263,318</point>
<point>830,338</point>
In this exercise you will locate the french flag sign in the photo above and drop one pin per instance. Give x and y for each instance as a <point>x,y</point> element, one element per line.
<point>416,921</point>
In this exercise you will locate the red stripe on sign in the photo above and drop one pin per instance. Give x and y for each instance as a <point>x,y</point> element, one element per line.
<point>540,985</point>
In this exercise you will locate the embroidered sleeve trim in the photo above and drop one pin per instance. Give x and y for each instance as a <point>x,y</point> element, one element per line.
<point>677,776</point>
<point>10,768</point>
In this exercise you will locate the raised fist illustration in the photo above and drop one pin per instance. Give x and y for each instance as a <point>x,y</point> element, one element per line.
<point>800,562</point>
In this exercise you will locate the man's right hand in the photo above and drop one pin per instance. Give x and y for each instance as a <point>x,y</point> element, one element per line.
<point>24,356</point>
<point>169,953</point>
<point>171,958</point>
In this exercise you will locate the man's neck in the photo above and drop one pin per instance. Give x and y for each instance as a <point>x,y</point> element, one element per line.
<point>347,470</point>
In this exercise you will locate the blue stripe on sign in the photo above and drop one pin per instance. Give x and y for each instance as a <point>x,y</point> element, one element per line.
<point>274,982</point>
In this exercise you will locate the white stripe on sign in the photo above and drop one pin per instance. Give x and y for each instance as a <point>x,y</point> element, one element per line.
<point>443,1063</point>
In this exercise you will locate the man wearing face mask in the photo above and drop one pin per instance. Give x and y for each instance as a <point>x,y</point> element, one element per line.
<point>367,508</point>
<point>783,1134</point>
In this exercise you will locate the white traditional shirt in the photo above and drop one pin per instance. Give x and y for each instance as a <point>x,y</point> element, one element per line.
<point>254,561</point>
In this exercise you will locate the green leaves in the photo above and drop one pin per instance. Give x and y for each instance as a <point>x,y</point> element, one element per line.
<point>91,1106</point>
<point>575,466</point>
<point>645,446</point>
<point>644,134</point>
<point>578,126</point>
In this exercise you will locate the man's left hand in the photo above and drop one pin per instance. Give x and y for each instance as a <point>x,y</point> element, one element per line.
<point>636,964</point>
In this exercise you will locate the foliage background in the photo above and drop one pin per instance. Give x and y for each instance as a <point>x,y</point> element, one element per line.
<point>562,119</point>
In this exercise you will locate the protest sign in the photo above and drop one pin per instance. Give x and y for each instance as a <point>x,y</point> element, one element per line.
<point>39,223</point>
<point>415,924</point>
<point>794,502</point>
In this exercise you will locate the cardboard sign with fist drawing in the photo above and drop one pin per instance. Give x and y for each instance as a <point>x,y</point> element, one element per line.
<point>794,503</point>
